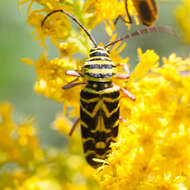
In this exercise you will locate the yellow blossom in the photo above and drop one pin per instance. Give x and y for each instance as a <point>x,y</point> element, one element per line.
<point>35,183</point>
<point>153,148</point>
<point>63,124</point>
<point>102,13</point>
<point>37,168</point>
<point>182,14</point>
<point>51,79</point>
<point>18,142</point>
<point>51,74</point>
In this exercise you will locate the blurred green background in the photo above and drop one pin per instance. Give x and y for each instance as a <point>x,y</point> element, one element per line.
<point>17,79</point>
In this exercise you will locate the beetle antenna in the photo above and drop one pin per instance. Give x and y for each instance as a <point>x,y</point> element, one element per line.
<point>74,19</point>
<point>163,29</point>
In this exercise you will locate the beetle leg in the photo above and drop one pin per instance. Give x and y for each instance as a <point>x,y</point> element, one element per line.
<point>74,126</point>
<point>71,85</point>
<point>122,119</point>
<point>127,94</point>
<point>73,73</point>
<point>128,15</point>
<point>119,17</point>
<point>124,76</point>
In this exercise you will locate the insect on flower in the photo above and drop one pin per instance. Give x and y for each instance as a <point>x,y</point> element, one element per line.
<point>147,11</point>
<point>99,99</point>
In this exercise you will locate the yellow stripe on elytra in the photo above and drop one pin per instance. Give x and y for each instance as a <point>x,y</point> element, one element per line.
<point>99,105</point>
<point>106,99</point>
<point>92,100</point>
<point>94,152</point>
<point>90,152</point>
<point>116,123</point>
<point>106,111</point>
<point>93,113</point>
<point>100,126</point>
<point>111,138</point>
<point>103,129</point>
<point>105,91</point>
<point>83,124</point>
<point>110,100</point>
<point>100,145</point>
<point>84,140</point>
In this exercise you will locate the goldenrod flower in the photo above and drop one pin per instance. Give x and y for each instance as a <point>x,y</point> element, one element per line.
<point>51,73</point>
<point>106,11</point>
<point>37,168</point>
<point>182,14</point>
<point>153,148</point>
<point>36,183</point>
<point>18,142</point>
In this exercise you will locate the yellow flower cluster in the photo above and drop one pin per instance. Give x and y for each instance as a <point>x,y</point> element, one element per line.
<point>102,13</point>
<point>25,165</point>
<point>51,75</point>
<point>182,15</point>
<point>153,148</point>
<point>18,142</point>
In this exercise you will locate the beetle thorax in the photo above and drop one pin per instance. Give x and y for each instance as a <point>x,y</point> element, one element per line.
<point>99,67</point>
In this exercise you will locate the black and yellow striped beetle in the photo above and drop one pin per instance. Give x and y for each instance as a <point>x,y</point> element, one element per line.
<point>147,11</point>
<point>99,99</point>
